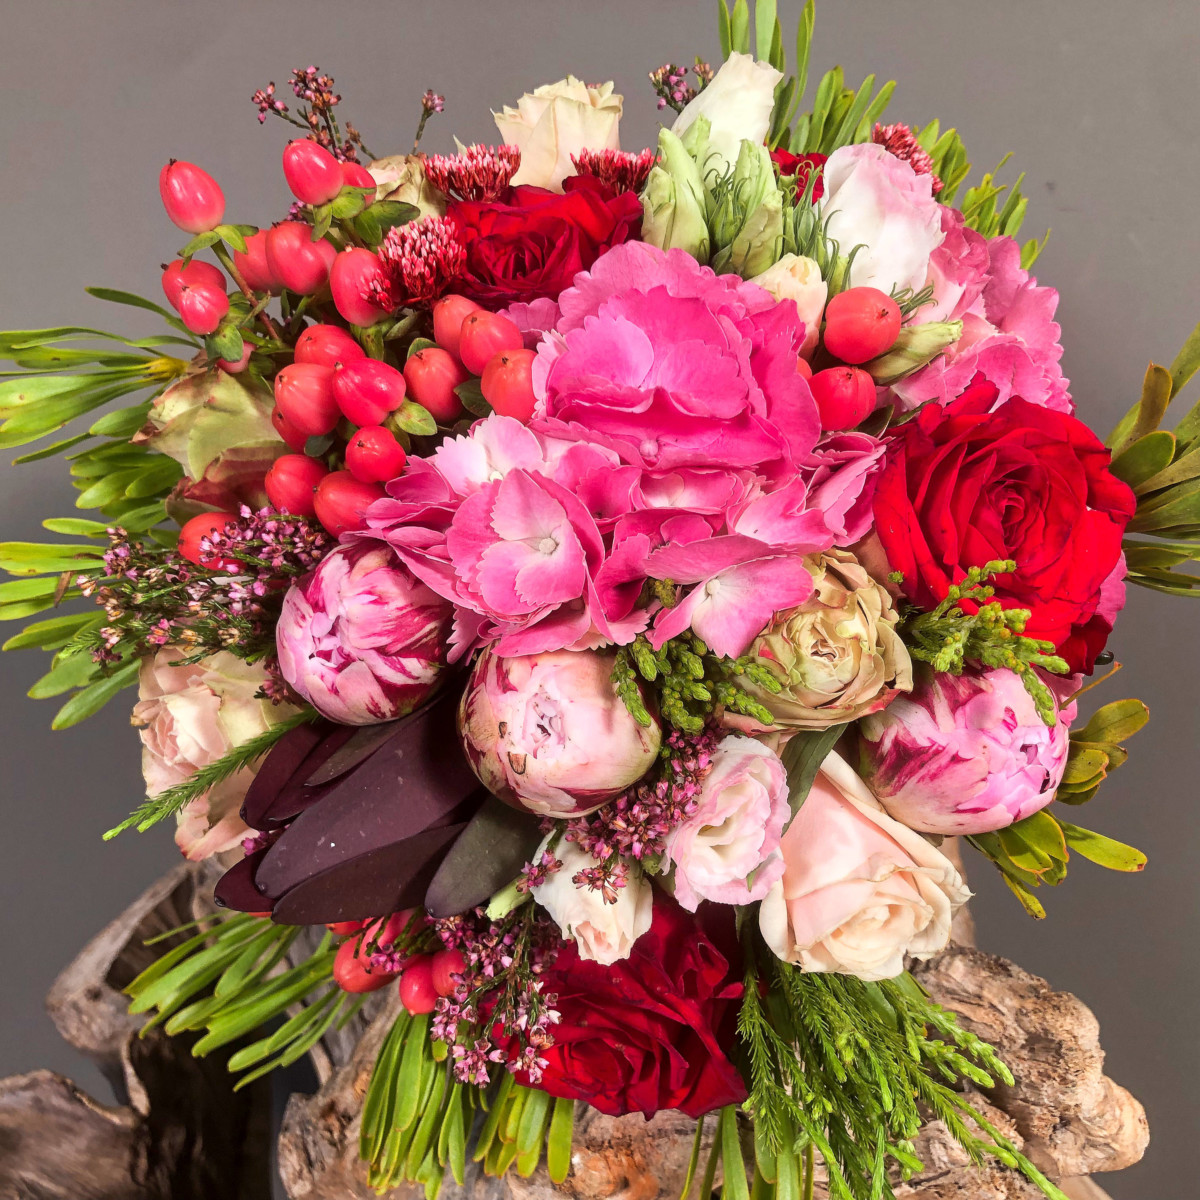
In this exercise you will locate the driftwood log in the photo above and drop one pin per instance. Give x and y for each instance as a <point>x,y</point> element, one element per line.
<point>179,1132</point>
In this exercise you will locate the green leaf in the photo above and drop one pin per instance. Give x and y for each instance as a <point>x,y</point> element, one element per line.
<point>123,423</point>
<point>764,28</point>
<point>1084,765</point>
<point>419,344</point>
<point>201,241</point>
<point>558,1143</point>
<point>803,756</point>
<point>48,635</point>
<point>350,201</point>
<point>1147,414</point>
<point>233,235</point>
<point>95,696</point>
<point>1186,363</point>
<point>471,394</point>
<point>414,419</point>
<point>71,671</point>
<point>1145,458</point>
<point>33,558</point>
<point>117,297</point>
<point>731,1157</point>
<point>412,1067</point>
<point>1114,722</point>
<point>52,450</point>
<point>739,27</point>
<point>1103,851</point>
<point>322,221</point>
<point>227,342</point>
<point>723,28</point>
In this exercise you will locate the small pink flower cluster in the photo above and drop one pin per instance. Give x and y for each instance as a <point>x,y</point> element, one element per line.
<point>479,173</point>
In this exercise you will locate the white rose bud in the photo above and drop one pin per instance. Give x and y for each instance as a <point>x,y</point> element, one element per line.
<point>795,277</point>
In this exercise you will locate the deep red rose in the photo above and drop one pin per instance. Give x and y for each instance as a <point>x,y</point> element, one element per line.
<point>962,486</point>
<point>533,242</point>
<point>802,165</point>
<point>650,1032</point>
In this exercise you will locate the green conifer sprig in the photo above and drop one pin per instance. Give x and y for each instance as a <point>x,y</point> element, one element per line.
<point>983,632</point>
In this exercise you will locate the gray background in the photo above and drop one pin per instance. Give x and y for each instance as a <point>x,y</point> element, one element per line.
<point>1099,101</point>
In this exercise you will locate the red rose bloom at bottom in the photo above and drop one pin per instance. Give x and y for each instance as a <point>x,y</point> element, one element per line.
<point>646,1033</point>
<point>963,486</point>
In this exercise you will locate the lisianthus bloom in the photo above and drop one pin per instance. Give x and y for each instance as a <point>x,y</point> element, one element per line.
<point>965,754</point>
<point>727,850</point>
<point>1009,332</point>
<point>603,930</point>
<point>878,201</point>
<point>189,716</point>
<point>837,655</point>
<point>556,121</point>
<point>533,242</point>
<point>859,890</point>
<point>549,734</point>
<point>649,1032</point>
<point>361,639</point>
<point>972,483</point>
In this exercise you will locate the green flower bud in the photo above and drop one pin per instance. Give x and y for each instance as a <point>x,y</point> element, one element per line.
<point>674,199</point>
<point>916,346</point>
<point>746,215</point>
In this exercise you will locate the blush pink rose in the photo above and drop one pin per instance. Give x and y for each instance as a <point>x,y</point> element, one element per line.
<point>728,849</point>
<point>859,890</point>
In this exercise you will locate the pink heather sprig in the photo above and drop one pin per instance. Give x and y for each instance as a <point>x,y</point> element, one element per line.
<point>899,140</point>
<point>431,103</point>
<point>267,103</point>
<point>498,1012</point>
<point>670,83</point>
<point>478,173</point>
<point>419,260</point>
<point>620,170</point>
<point>317,119</point>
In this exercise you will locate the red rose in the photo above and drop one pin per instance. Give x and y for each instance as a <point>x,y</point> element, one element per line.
<point>534,242</point>
<point>650,1032</point>
<point>963,486</point>
<point>802,165</point>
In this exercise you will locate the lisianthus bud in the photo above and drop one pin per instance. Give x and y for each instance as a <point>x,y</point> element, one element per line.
<point>362,640</point>
<point>965,754</point>
<point>728,849</point>
<point>837,655</point>
<point>747,217</point>
<point>188,715</point>
<point>673,202</point>
<point>914,346</point>
<point>603,932</point>
<point>548,733</point>
<point>797,278</point>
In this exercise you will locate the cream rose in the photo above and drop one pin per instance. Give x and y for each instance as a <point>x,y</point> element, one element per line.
<point>603,932</point>
<point>555,121</point>
<point>797,278</point>
<point>859,890</point>
<point>401,177</point>
<point>738,103</point>
<point>190,716</point>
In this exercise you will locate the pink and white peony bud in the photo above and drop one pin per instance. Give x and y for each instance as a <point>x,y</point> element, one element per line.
<point>362,640</point>
<point>964,754</point>
<point>548,734</point>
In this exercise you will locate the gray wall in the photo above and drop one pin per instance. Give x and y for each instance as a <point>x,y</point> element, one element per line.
<point>1099,100</point>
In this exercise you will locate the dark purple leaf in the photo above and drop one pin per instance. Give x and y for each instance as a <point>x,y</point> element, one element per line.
<point>235,889</point>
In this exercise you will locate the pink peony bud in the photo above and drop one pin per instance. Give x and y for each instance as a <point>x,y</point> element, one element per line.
<point>548,734</point>
<point>362,640</point>
<point>965,754</point>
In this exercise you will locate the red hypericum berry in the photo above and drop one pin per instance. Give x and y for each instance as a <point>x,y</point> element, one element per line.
<point>432,375</point>
<point>845,396</point>
<point>327,345</point>
<point>295,438</point>
<point>342,501</point>
<point>803,367</point>
<point>176,277</point>
<point>484,334</point>
<point>507,384</point>
<point>374,456</point>
<point>304,394</point>
<point>446,964</point>
<point>366,390</point>
<point>237,366</point>
<point>349,278</point>
<point>352,969</point>
<point>203,526</point>
<point>300,264</point>
<point>312,173</point>
<point>292,481</point>
<point>356,175</point>
<point>449,313</point>
<point>253,265</point>
<point>388,931</point>
<point>192,197</point>
<point>417,992</point>
<point>861,324</point>
<point>203,308</point>
<point>344,928</point>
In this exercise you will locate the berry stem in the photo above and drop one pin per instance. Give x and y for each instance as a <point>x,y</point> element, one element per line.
<point>226,260</point>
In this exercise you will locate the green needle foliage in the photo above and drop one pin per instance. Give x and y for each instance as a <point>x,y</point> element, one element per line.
<point>983,632</point>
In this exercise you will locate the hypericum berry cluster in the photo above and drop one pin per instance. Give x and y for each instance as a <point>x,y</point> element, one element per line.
<point>899,140</point>
<point>621,170</point>
<point>670,83</point>
<point>478,173</point>
<point>156,597</point>
<point>419,262</point>
<point>498,1012</point>
<point>635,826</point>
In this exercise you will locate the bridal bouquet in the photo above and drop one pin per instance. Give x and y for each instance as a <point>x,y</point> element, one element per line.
<point>592,584</point>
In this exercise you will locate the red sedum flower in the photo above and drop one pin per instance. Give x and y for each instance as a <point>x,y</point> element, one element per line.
<point>534,242</point>
<point>964,485</point>
<point>647,1032</point>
